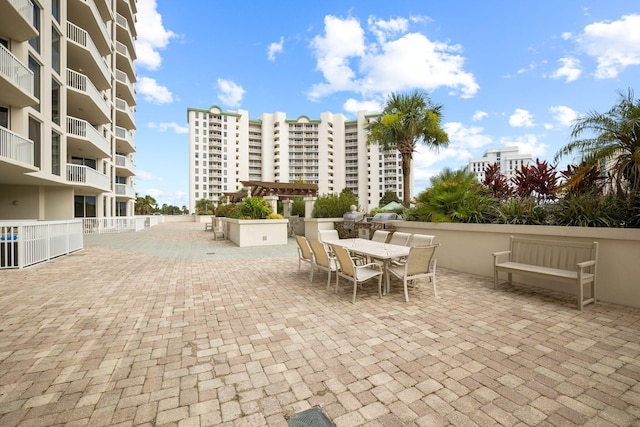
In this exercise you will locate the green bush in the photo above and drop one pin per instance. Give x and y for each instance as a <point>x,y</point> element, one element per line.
<point>334,205</point>
<point>254,208</point>
<point>226,210</point>
<point>520,210</point>
<point>590,210</point>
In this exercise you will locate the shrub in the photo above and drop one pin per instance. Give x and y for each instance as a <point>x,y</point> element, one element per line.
<point>225,209</point>
<point>273,215</point>
<point>254,208</point>
<point>334,205</point>
<point>520,210</point>
<point>590,210</point>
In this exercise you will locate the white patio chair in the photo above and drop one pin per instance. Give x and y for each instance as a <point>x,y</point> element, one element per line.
<point>356,273</point>
<point>399,238</point>
<point>421,263</point>
<point>322,260</point>
<point>304,253</point>
<point>421,240</point>
<point>380,236</point>
<point>324,235</point>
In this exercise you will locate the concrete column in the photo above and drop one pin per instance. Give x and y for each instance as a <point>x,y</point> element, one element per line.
<point>274,202</point>
<point>286,207</point>
<point>308,205</point>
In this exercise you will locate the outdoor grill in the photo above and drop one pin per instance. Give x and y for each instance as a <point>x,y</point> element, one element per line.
<point>383,220</point>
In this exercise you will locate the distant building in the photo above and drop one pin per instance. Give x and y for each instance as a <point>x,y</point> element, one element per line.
<point>508,158</point>
<point>228,147</point>
<point>67,105</point>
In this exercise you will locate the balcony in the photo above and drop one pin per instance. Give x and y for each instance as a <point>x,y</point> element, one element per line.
<point>127,8</point>
<point>124,165</point>
<point>124,61</point>
<point>86,13</point>
<point>16,20</point>
<point>123,190</point>
<point>124,114</point>
<point>124,33</point>
<point>16,81</point>
<point>83,177</point>
<point>124,140</point>
<point>84,100</point>
<point>83,56</point>
<point>124,88</point>
<point>16,155</point>
<point>83,140</point>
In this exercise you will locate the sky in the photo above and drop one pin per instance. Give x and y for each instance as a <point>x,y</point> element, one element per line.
<point>507,73</point>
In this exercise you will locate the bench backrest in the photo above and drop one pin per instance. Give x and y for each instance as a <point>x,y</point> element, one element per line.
<point>552,253</point>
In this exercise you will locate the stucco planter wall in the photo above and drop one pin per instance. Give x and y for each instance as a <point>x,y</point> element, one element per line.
<point>468,248</point>
<point>256,232</point>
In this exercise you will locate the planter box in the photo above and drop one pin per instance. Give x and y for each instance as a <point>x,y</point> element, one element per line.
<point>256,232</point>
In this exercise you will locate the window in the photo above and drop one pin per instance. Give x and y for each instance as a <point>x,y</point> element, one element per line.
<point>55,50</point>
<point>35,42</point>
<point>55,9</point>
<point>121,208</point>
<point>84,206</point>
<point>4,117</point>
<point>55,101</point>
<point>55,153</point>
<point>36,137</point>
<point>35,68</point>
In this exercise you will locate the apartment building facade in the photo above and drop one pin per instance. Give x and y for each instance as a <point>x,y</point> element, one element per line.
<point>228,147</point>
<point>508,158</point>
<point>67,102</point>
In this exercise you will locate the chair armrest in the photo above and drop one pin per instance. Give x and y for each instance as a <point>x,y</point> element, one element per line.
<point>500,256</point>
<point>372,264</point>
<point>584,264</point>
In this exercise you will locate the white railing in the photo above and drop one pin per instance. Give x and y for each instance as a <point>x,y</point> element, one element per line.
<point>83,38</point>
<point>15,147</point>
<point>15,70</point>
<point>114,224</point>
<point>122,77</point>
<point>121,48</point>
<point>24,243</point>
<point>125,190</point>
<point>98,18</point>
<point>81,174</point>
<point>24,8</point>
<point>123,106</point>
<point>124,162</point>
<point>84,129</point>
<point>83,84</point>
<point>124,134</point>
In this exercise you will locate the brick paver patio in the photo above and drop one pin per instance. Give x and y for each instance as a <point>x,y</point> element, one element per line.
<point>168,327</point>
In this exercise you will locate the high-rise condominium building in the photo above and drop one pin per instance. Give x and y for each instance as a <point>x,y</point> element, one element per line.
<point>227,147</point>
<point>66,108</point>
<point>508,158</point>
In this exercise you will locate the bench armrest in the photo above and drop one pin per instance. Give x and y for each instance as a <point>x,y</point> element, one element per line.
<point>584,264</point>
<point>501,256</point>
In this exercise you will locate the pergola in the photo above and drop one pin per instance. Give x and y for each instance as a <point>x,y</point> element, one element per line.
<point>284,190</point>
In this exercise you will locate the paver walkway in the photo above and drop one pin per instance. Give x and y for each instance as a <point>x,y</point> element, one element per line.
<point>167,327</point>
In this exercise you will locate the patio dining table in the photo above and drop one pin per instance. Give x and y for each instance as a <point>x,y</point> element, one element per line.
<point>384,252</point>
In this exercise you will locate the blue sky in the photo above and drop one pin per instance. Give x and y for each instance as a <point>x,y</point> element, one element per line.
<point>507,72</point>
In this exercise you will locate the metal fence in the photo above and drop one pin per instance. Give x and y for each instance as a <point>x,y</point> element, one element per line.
<point>25,243</point>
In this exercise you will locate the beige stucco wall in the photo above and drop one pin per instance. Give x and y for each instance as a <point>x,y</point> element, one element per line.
<point>36,202</point>
<point>468,248</point>
<point>256,232</point>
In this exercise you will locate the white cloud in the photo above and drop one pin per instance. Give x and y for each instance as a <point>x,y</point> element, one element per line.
<point>165,126</point>
<point>615,45</point>
<point>152,36</point>
<point>395,61</point>
<point>142,175</point>
<point>230,92</point>
<point>275,48</point>
<point>570,70</point>
<point>563,115</point>
<point>152,91</point>
<point>467,137</point>
<point>521,118</point>
<point>479,115</point>
<point>353,106</point>
<point>177,198</point>
<point>566,35</point>
<point>527,144</point>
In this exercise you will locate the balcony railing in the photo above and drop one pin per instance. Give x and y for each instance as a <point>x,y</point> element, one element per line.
<point>83,129</point>
<point>80,174</point>
<point>98,18</point>
<point>121,48</point>
<point>24,8</point>
<point>125,190</point>
<point>15,70</point>
<point>82,83</point>
<point>126,135</point>
<point>117,224</point>
<point>123,162</point>
<point>81,37</point>
<point>122,77</point>
<point>122,105</point>
<point>15,147</point>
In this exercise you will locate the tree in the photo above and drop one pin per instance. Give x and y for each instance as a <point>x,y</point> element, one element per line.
<point>204,207</point>
<point>612,138</point>
<point>405,120</point>
<point>145,205</point>
<point>389,196</point>
<point>539,180</point>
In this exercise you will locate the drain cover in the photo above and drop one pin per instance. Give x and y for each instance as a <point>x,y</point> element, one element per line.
<point>313,417</point>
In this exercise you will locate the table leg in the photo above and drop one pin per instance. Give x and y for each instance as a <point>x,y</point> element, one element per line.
<point>386,275</point>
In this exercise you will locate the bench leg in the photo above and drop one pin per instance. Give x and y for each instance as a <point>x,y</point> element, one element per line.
<point>495,278</point>
<point>580,295</point>
<point>510,279</point>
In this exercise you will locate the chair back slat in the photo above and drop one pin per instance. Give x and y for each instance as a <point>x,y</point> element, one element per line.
<point>324,235</point>
<point>320,252</point>
<point>399,238</point>
<point>419,259</point>
<point>344,259</point>
<point>421,240</point>
<point>380,236</point>
<point>303,244</point>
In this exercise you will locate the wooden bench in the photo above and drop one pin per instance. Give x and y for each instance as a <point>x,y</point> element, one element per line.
<point>568,262</point>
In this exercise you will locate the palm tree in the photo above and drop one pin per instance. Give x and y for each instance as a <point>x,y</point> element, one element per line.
<point>405,120</point>
<point>145,205</point>
<point>612,138</point>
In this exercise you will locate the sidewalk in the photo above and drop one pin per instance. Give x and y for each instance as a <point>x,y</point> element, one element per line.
<point>167,327</point>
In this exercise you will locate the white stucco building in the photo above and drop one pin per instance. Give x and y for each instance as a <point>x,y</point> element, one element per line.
<point>227,147</point>
<point>508,158</point>
<point>67,108</point>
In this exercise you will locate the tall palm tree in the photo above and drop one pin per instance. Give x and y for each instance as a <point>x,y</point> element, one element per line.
<point>612,138</point>
<point>405,120</point>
